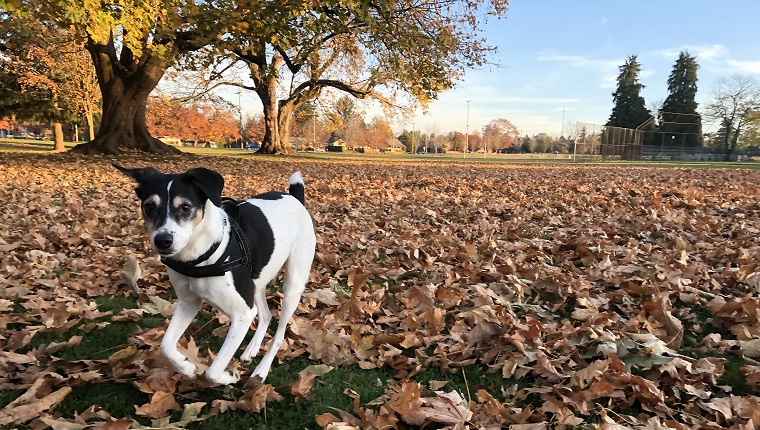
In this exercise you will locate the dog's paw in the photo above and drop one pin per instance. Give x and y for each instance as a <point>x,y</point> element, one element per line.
<point>223,378</point>
<point>186,368</point>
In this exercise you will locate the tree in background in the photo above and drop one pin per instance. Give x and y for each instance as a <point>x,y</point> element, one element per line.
<point>45,73</point>
<point>378,132</point>
<point>474,141</point>
<point>130,46</point>
<point>735,104</point>
<point>528,144</point>
<point>198,122</point>
<point>543,143</point>
<point>629,110</point>
<point>680,123</point>
<point>500,134</point>
<point>456,140</point>
<point>254,127</point>
<point>345,118</point>
<point>305,123</point>
<point>387,50</point>
<point>165,117</point>
<point>751,135</point>
<point>80,89</point>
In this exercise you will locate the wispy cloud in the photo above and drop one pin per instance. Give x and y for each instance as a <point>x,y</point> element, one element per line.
<point>579,61</point>
<point>606,69</point>
<point>715,57</point>
<point>746,66</point>
<point>705,52</point>
<point>541,100</point>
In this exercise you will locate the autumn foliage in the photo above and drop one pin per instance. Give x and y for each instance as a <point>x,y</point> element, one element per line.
<point>191,121</point>
<point>611,296</point>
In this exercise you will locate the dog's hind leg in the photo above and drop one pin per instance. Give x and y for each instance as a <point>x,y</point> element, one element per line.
<point>297,271</point>
<point>183,315</point>
<point>265,316</point>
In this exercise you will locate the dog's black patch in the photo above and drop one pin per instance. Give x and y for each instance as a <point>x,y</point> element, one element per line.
<point>271,195</point>
<point>157,186</point>
<point>258,240</point>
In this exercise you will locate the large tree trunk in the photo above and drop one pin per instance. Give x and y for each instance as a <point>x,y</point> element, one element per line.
<point>283,126</point>
<point>90,125</point>
<point>265,77</point>
<point>271,143</point>
<point>732,143</point>
<point>125,93</point>
<point>58,137</point>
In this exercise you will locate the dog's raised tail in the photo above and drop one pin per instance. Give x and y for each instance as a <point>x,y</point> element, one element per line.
<point>295,187</point>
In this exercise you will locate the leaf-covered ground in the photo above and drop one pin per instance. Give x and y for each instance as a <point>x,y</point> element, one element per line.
<point>474,295</point>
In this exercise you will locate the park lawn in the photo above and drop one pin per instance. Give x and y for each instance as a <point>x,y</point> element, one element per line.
<point>443,293</point>
<point>28,145</point>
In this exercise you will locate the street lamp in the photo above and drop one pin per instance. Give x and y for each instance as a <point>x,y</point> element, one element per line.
<point>413,149</point>
<point>242,127</point>
<point>467,132</point>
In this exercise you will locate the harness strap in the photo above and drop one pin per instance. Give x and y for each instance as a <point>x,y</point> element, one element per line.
<point>220,267</point>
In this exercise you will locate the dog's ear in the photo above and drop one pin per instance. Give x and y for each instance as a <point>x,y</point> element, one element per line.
<point>139,175</point>
<point>209,182</point>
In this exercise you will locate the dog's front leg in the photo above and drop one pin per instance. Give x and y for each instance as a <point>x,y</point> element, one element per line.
<point>239,326</point>
<point>186,310</point>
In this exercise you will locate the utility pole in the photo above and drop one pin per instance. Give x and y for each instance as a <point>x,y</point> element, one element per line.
<point>562,133</point>
<point>413,151</point>
<point>467,132</point>
<point>242,127</point>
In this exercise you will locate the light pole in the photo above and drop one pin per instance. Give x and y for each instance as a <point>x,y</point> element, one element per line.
<point>485,145</point>
<point>467,132</point>
<point>413,151</point>
<point>242,127</point>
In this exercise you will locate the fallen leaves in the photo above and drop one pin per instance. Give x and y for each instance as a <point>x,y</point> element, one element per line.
<point>607,294</point>
<point>39,398</point>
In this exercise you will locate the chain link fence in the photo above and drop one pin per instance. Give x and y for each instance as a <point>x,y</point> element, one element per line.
<point>595,141</point>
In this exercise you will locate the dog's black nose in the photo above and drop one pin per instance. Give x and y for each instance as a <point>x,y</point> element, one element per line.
<point>163,240</point>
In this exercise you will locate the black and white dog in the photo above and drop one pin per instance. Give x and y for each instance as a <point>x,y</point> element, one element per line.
<point>225,253</point>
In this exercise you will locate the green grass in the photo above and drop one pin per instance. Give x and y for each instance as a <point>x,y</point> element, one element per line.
<point>99,344</point>
<point>118,399</point>
<point>734,378</point>
<point>327,393</point>
<point>26,145</point>
<point>29,145</point>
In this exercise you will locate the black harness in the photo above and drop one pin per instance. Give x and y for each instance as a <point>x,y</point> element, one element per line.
<point>236,257</point>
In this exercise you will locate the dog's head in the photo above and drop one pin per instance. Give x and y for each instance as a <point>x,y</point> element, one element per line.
<point>174,205</point>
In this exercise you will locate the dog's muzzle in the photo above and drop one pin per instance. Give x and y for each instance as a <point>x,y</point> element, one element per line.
<point>163,242</point>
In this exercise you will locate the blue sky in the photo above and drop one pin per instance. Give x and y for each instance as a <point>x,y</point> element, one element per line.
<point>564,55</point>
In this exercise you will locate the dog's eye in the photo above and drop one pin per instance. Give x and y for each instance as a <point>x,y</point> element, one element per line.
<point>149,208</point>
<point>185,208</point>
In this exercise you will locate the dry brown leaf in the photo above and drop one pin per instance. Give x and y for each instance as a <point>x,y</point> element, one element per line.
<point>421,267</point>
<point>161,402</point>
<point>35,401</point>
<point>256,399</point>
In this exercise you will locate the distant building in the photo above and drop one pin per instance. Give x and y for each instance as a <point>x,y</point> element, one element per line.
<point>337,146</point>
<point>395,146</point>
<point>171,140</point>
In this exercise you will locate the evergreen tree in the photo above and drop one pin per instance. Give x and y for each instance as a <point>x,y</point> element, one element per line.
<point>679,121</point>
<point>528,144</point>
<point>629,109</point>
